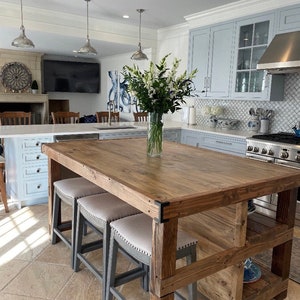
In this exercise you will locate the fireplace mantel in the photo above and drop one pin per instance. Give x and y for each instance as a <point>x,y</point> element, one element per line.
<point>35,103</point>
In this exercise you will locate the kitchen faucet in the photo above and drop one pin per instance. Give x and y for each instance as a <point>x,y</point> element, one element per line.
<point>110,108</point>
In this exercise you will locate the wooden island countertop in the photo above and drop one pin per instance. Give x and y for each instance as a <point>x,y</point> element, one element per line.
<point>188,181</point>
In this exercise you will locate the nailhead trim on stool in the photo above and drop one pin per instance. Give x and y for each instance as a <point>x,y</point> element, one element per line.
<point>134,235</point>
<point>98,211</point>
<point>69,191</point>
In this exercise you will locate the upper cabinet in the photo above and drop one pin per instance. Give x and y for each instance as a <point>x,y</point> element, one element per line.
<point>289,19</point>
<point>226,56</point>
<point>211,53</point>
<point>252,38</point>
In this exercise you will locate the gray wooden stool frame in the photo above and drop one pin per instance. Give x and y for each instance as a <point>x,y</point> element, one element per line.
<point>116,243</point>
<point>101,227</point>
<point>59,227</point>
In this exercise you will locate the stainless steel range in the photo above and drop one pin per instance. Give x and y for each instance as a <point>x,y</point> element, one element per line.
<point>280,148</point>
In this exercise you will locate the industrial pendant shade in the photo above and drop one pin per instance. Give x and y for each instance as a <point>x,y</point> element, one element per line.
<point>22,41</point>
<point>87,49</point>
<point>139,54</point>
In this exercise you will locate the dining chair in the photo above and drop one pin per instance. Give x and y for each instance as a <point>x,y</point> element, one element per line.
<point>98,211</point>
<point>140,116</point>
<point>65,117</point>
<point>133,234</point>
<point>103,116</point>
<point>10,118</point>
<point>15,118</point>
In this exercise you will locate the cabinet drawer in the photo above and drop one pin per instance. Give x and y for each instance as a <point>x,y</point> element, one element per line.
<point>34,157</point>
<point>36,170</point>
<point>35,144</point>
<point>36,187</point>
<point>227,145</point>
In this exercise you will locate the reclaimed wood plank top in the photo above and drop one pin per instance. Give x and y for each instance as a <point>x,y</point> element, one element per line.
<point>184,181</point>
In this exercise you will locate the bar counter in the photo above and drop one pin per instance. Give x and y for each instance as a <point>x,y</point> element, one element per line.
<point>178,189</point>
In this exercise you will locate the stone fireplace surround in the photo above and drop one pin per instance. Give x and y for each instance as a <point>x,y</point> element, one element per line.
<point>37,104</point>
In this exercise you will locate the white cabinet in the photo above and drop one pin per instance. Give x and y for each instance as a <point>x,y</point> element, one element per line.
<point>211,54</point>
<point>26,170</point>
<point>252,38</point>
<point>217,142</point>
<point>289,19</point>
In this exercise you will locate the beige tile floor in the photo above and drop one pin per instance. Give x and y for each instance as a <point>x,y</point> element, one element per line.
<point>32,268</point>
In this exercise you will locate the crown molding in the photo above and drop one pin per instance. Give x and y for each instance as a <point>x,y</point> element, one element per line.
<point>235,10</point>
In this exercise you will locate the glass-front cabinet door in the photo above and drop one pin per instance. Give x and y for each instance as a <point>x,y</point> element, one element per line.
<point>253,36</point>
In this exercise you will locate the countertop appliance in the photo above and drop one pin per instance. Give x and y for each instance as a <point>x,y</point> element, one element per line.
<point>279,148</point>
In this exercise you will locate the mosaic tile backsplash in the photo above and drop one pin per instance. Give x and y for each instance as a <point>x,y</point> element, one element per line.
<point>287,112</point>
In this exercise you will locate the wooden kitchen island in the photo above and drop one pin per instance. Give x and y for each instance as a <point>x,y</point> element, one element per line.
<point>205,193</point>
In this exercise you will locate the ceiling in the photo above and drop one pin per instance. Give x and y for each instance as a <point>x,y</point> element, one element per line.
<point>44,21</point>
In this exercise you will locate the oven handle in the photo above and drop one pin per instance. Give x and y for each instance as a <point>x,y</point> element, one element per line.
<point>287,163</point>
<point>260,158</point>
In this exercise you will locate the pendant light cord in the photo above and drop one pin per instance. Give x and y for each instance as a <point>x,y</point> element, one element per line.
<point>22,25</point>
<point>87,19</point>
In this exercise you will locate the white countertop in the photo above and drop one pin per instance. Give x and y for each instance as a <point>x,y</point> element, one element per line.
<point>61,129</point>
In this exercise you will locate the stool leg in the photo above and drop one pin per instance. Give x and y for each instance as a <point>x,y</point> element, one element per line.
<point>3,190</point>
<point>111,268</point>
<point>78,239</point>
<point>55,217</point>
<point>73,238</point>
<point>192,288</point>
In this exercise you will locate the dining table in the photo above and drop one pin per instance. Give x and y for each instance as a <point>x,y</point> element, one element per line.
<point>198,190</point>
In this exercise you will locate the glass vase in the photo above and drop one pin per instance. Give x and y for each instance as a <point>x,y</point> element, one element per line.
<point>154,137</point>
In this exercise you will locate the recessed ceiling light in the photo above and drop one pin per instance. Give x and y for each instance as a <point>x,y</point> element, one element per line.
<point>125,16</point>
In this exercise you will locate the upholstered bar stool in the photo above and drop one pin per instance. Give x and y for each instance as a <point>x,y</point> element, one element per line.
<point>98,211</point>
<point>68,191</point>
<point>133,234</point>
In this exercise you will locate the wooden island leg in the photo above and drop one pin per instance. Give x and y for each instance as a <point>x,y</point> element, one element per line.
<point>163,260</point>
<point>281,257</point>
<point>54,174</point>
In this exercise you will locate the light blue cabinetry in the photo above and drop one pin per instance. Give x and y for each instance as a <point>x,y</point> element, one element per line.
<point>226,56</point>
<point>289,19</point>
<point>211,54</point>
<point>26,170</point>
<point>217,142</point>
<point>251,41</point>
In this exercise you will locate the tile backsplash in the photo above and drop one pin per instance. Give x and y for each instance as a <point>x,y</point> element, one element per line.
<point>287,112</point>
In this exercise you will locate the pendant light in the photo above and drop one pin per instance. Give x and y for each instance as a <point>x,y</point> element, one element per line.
<point>139,55</point>
<point>87,49</point>
<point>22,41</point>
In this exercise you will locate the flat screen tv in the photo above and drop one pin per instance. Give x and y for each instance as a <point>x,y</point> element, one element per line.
<point>71,77</point>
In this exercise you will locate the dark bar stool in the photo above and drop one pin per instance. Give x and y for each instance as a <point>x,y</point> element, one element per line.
<point>98,211</point>
<point>68,191</point>
<point>133,234</point>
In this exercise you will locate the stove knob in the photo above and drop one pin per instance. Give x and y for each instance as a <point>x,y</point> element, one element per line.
<point>297,157</point>
<point>271,152</point>
<point>256,149</point>
<point>249,148</point>
<point>264,151</point>
<point>284,155</point>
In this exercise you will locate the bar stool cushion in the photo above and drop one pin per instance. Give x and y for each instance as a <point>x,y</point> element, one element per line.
<point>71,189</point>
<point>136,231</point>
<point>104,208</point>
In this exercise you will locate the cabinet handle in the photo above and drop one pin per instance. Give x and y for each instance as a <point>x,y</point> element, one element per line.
<point>38,170</point>
<point>39,186</point>
<point>225,143</point>
<point>37,144</point>
<point>38,157</point>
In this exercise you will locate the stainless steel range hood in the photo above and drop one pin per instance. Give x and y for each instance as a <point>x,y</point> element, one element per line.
<point>282,55</point>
